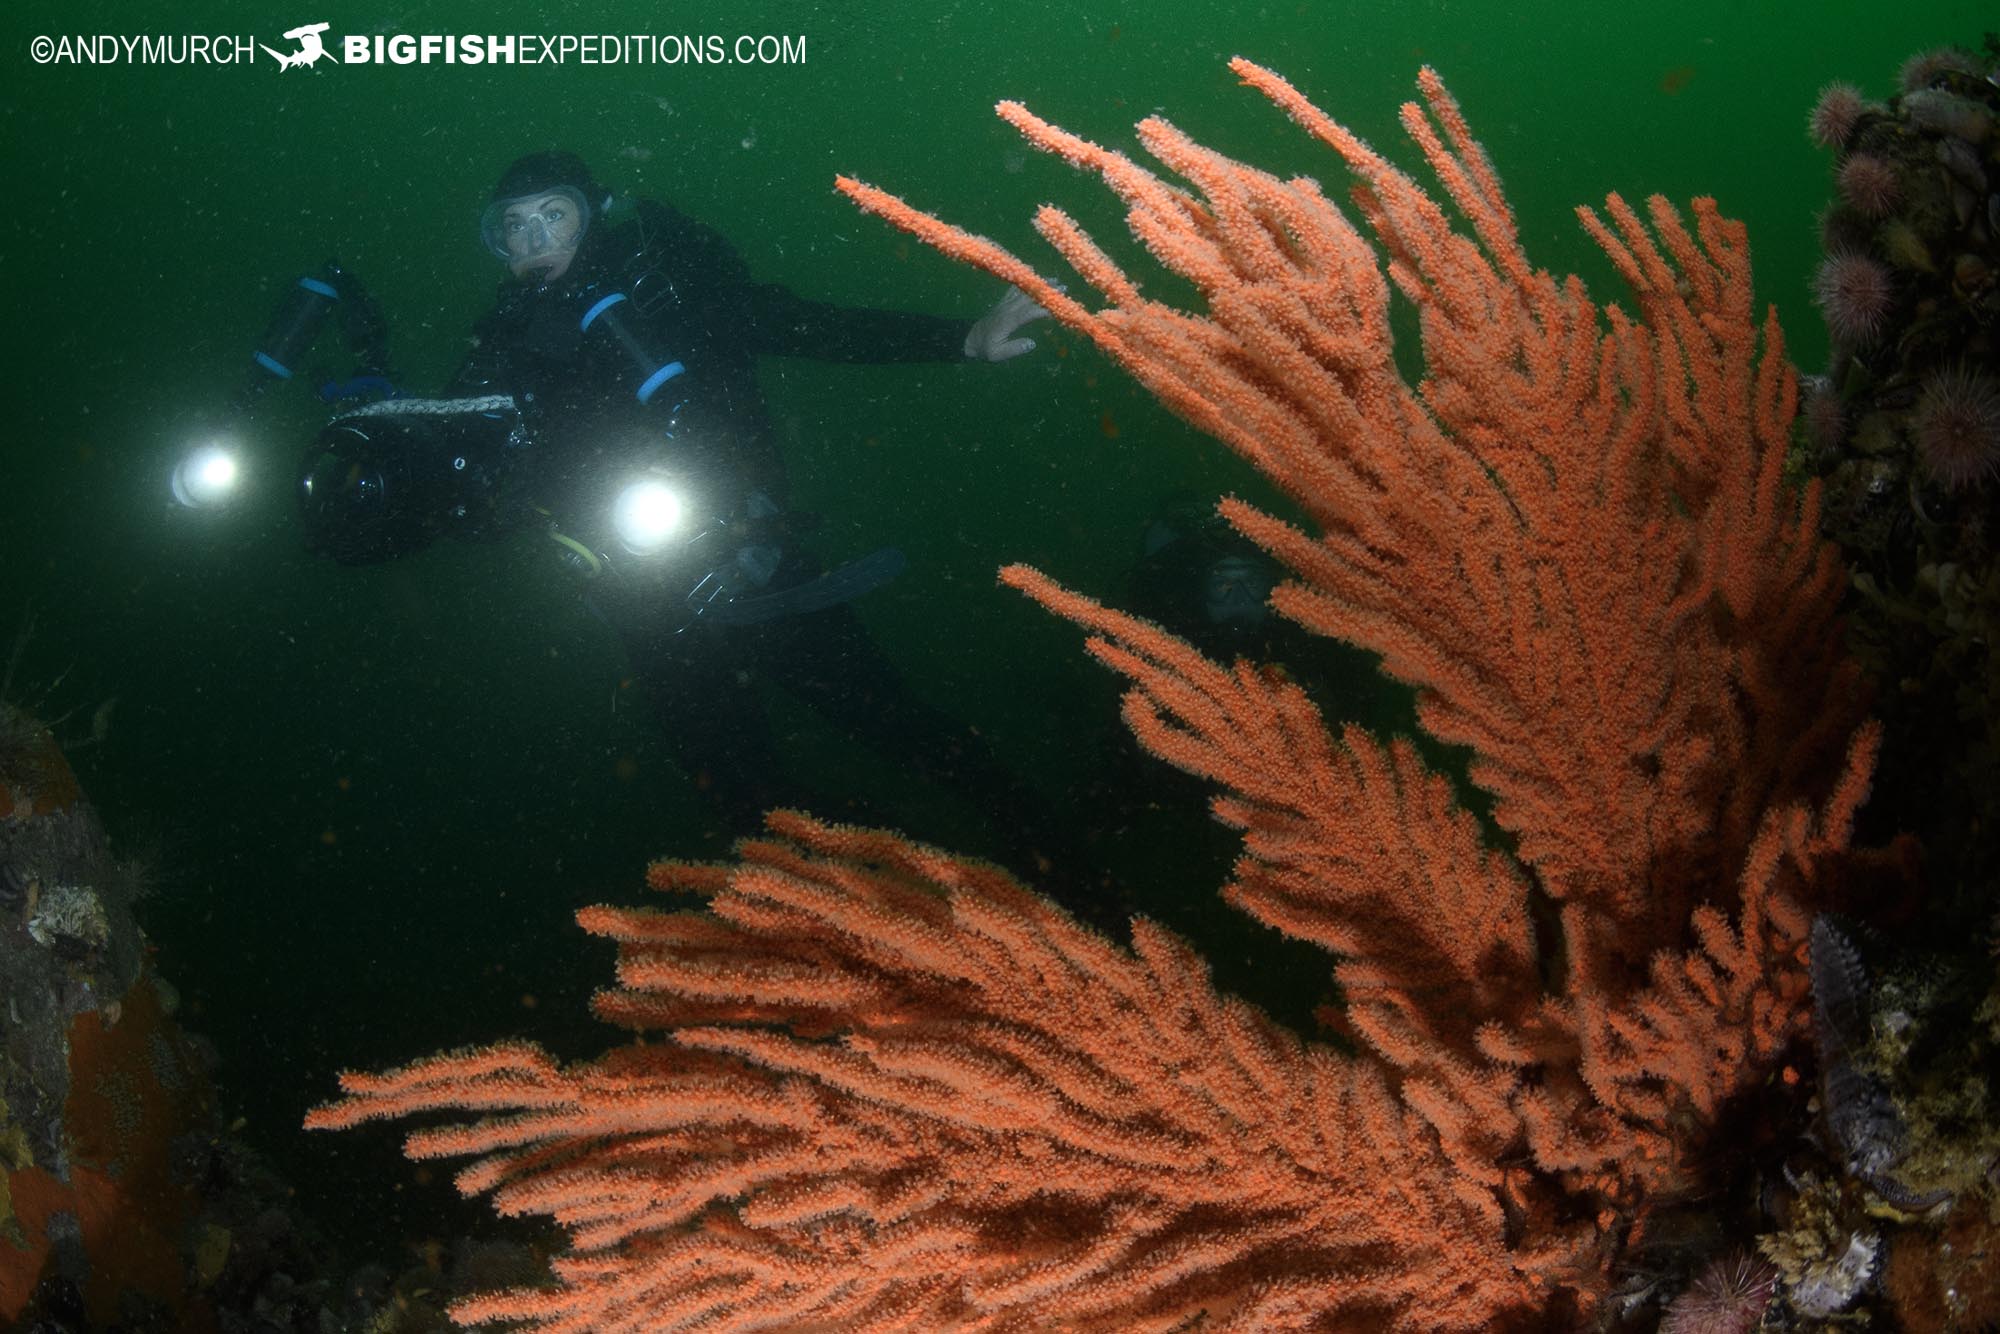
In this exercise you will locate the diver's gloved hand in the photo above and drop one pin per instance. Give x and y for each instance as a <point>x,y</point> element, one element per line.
<point>992,338</point>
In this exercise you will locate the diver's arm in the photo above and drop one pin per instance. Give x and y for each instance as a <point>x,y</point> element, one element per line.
<point>787,324</point>
<point>782,323</point>
<point>769,319</point>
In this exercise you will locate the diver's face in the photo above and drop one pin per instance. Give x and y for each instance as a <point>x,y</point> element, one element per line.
<point>541,236</point>
<point>1235,592</point>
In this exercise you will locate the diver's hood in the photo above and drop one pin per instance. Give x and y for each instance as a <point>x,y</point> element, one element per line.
<point>538,173</point>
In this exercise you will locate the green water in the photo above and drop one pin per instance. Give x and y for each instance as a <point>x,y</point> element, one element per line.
<point>377,795</point>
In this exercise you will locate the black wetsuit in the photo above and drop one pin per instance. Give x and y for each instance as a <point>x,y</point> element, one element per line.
<point>695,302</point>
<point>691,300</point>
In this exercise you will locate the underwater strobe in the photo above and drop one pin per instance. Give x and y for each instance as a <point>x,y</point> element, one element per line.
<point>647,513</point>
<point>210,471</point>
<point>207,475</point>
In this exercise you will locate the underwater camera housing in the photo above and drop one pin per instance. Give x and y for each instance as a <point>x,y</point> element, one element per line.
<point>390,478</point>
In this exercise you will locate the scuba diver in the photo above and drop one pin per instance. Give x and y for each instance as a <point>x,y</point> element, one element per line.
<point>610,399</point>
<point>1209,584</point>
<point>1201,580</point>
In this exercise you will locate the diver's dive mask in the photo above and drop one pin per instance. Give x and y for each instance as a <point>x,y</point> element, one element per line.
<point>546,223</point>
<point>1236,591</point>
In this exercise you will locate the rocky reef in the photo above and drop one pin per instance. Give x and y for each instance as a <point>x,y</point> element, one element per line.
<point>127,1202</point>
<point>1904,426</point>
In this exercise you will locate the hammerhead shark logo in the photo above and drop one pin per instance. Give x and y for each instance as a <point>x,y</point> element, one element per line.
<point>310,47</point>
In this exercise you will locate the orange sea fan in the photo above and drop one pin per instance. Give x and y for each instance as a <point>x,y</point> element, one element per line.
<point>897,1091</point>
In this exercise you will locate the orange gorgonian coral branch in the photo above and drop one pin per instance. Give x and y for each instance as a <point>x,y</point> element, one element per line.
<point>896,1091</point>
<point>902,1092</point>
